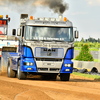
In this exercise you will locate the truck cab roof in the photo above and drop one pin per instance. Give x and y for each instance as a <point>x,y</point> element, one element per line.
<point>49,23</point>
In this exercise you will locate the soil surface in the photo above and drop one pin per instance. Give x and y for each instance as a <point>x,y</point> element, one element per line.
<point>34,88</point>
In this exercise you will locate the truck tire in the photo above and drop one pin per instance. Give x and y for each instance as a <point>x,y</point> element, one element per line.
<point>64,76</point>
<point>10,73</point>
<point>21,75</point>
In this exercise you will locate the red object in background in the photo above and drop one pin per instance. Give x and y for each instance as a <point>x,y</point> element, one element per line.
<point>1,32</point>
<point>3,22</point>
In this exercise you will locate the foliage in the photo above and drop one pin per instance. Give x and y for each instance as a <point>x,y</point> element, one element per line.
<point>94,46</point>
<point>84,54</point>
<point>90,39</point>
<point>91,49</point>
<point>92,42</point>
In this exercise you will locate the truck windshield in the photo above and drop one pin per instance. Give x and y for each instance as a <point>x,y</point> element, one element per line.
<point>2,30</point>
<point>49,33</point>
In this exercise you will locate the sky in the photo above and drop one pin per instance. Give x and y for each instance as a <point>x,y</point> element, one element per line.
<point>84,14</point>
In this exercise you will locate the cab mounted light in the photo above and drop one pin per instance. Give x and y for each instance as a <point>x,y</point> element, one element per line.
<point>31,17</point>
<point>6,16</point>
<point>65,19</point>
<point>9,19</point>
<point>1,16</point>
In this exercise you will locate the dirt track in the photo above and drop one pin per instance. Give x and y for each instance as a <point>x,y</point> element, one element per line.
<point>77,88</point>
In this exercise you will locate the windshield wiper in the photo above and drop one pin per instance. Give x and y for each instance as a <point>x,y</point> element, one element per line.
<point>46,40</point>
<point>59,40</point>
<point>53,40</point>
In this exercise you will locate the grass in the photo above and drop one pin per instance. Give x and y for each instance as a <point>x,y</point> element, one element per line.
<point>94,49</point>
<point>96,60</point>
<point>95,77</point>
<point>91,49</point>
<point>77,48</point>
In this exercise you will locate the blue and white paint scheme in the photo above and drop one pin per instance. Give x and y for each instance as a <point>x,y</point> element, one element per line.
<point>45,47</point>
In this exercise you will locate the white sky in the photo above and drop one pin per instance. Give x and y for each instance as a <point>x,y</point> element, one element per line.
<point>84,14</point>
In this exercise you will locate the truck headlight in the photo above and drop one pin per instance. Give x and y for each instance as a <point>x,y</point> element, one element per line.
<point>67,65</point>
<point>28,63</point>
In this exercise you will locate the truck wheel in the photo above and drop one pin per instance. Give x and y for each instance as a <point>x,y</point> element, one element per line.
<point>10,73</point>
<point>64,76</point>
<point>21,75</point>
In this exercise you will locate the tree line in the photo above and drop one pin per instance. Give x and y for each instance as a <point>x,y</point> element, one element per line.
<point>90,39</point>
<point>91,42</point>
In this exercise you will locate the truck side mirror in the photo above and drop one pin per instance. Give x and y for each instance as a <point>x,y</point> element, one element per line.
<point>19,32</point>
<point>76,34</point>
<point>14,32</point>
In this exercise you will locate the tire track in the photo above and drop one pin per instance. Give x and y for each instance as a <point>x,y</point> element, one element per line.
<point>78,88</point>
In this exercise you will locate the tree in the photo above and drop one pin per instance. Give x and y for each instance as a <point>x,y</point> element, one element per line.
<point>84,54</point>
<point>82,40</point>
<point>98,40</point>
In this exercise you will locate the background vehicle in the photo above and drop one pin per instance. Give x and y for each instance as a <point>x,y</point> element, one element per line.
<point>45,48</point>
<point>7,43</point>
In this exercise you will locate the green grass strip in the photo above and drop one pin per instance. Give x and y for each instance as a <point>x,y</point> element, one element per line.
<point>91,49</point>
<point>95,77</point>
<point>96,60</point>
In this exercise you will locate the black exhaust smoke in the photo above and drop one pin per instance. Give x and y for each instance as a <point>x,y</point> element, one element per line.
<point>58,6</point>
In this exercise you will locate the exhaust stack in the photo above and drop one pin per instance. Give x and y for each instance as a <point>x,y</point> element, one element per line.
<point>23,18</point>
<point>60,17</point>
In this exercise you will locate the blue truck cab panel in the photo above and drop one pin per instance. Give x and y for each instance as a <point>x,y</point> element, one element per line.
<point>67,66</point>
<point>28,62</point>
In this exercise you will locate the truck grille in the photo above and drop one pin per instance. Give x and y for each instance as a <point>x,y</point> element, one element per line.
<point>47,59</point>
<point>49,52</point>
<point>49,69</point>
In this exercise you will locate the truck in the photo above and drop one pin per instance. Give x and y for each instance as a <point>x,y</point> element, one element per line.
<point>46,48</point>
<point>7,43</point>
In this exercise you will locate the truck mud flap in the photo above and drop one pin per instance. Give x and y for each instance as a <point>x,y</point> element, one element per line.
<point>4,61</point>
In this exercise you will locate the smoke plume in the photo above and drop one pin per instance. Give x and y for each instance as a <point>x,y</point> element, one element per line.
<point>58,6</point>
